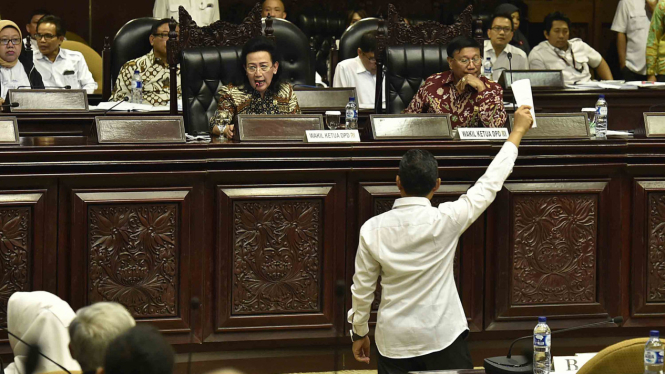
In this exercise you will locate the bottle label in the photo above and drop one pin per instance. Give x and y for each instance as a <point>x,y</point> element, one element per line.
<point>542,340</point>
<point>351,114</point>
<point>653,357</point>
<point>601,111</point>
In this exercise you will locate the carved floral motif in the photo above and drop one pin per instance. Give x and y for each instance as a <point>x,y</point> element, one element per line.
<point>133,257</point>
<point>276,256</point>
<point>656,280</point>
<point>428,32</point>
<point>554,253</point>
<point>219,33</point>
<point>14,257</point>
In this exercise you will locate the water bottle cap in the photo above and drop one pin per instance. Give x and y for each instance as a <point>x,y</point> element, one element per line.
<point>352,99</point>
<point>654,333</point>
<point>601,96</point>
<point>542,319</point>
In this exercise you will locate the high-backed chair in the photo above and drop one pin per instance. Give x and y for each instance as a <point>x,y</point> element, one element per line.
<point>626,357</point>
<point>92,59</point>
<point>297,56</point>
<point>322,31</point>
<point>130,42</point>
<point>350,40</point>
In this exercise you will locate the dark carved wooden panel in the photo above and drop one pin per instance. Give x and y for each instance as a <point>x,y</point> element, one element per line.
<point>656,248</point>
<point>428,32</point>
<point>15,253</point>
<point>554,251</point>
<point>219,33</point>
<point>277,256</point>
<point>133,257</point>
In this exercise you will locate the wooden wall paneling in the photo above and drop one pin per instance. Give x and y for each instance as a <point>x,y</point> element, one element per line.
<point>553,254</point>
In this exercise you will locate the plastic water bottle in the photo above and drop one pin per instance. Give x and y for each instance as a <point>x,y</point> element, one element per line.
<point>653,354</point>
<point>542,344</point>
<point>137,88</point>
<point>351,114</point>
<point>601,117</point>
<point>487,68</point>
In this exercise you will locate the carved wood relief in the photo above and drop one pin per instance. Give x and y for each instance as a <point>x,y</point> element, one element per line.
<point>656,249</point>
<point>219,33</point>
<point>133,257</point>
<point>428,32</point>
<point>554,250</point>
<point>277,256</point>
<point>15,234</point>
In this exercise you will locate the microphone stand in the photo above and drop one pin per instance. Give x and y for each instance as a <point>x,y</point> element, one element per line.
<point>35,349</point>
<point>510,66</point>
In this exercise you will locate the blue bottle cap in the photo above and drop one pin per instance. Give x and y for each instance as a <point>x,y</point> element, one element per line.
<point>654,333</point>
<point>542,319</point>
<point>601,96</point>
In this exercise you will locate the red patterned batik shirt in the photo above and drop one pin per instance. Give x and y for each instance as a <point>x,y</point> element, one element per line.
<point>467,109</point>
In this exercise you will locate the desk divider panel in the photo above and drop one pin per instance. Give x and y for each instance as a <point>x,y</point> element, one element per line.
<point>277,127</point>
<point>135,129</point>
<point>65,100</point>
<point>325,98</point>
<point>558,126</point>
<point>411,126</point>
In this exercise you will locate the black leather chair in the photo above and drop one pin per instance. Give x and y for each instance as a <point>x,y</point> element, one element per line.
<point>407,68</point>
<point>204,70</point>
<point>321,29</point>
<point>350,40</point>
<point>297,57</point>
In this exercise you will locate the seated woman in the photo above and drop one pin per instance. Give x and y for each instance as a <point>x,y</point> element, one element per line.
<point>262,91</point>
<point>16,69</point>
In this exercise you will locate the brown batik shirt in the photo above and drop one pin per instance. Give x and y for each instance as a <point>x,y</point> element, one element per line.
<point>155,76</point>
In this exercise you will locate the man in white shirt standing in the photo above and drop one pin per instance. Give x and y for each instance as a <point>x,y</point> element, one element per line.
<point>360,72</point>
<point>421,324</point>
<point>60,67</point>
<point>203,12</point>
<point>498,47</point>
<point>631,22</point>
<point>573,57</point>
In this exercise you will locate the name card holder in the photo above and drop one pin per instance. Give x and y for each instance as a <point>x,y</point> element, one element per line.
<point>253,127</point>
<point>324,98</point>
<point>482,133</point>
<point>558,126</point>
<point>332,136</point>
<point>8,130</point>
<point>538,78</point>
<point>140,129</point>
<point>49,100</point>
<point>654,124</point>
<point>411,126</point>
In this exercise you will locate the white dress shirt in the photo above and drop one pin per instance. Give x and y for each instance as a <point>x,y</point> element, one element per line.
<point>352,73</point>
<point>203,12</point>
<point>545,56</point>
<point>13,78</point>
<point>69,69</point>
<point>412,247</point>
<point>632,19</point>
<point>501,63</point>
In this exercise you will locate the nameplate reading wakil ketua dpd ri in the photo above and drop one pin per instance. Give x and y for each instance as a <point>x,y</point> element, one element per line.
<point>332,136</point>
<point>482,133</point>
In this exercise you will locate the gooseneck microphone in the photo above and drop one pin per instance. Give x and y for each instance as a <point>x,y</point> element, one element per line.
<point>510,66</point>
<point>523,364</point>
<point>9,105</point>
<point>115,105</point>
<point>33,350</point>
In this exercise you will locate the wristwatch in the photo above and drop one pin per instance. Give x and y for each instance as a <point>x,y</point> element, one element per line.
<point>355,337</point>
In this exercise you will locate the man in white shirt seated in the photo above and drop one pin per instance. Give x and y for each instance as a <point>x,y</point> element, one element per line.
<point>421,324</point>
<point>203,12</point>
<point>31,27</point>
<point>360,72</point>
<point>573,57</point>
<point>60,67</point>
<point>273,8</point>
<point>498,47</point>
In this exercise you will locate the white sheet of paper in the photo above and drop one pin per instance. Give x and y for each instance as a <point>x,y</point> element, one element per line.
<point>523,95</point>
<point>570,364</point>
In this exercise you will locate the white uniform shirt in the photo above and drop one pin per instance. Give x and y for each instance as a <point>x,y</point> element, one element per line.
<point>13,78</point>
<point>203,12</point>
<point>545,56</point>
<point>352,73</point>
<point>501,63</point>
<point>69,69</point>
<point>412,247</point>
<point>632,19</point>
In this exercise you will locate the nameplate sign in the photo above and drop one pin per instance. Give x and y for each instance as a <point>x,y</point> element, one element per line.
<point>140,130</point>
<point>324,98</point>
<point>570,364</point>
<point>558,126</point>
<point>538,78</point>
<point>8,130</point>
<point>411,126</point>
<point>332,136</point>
<point>57,100</point>
<point>654,124</point>
<point>482,133</point>
<point>270,127</point>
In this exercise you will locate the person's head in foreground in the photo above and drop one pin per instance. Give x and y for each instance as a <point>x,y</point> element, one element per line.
<point>11,43</point>
<point>93,329</point>
<point>50,35</point>
<point>557,29</point>
<point>418,174</point>
<point>140,350</point>
<point>159,35</point>
<point>367,49</point>
<point>464,57</point>
<point>261,64</point>
<point>501,31</point>
<point>273,8</point>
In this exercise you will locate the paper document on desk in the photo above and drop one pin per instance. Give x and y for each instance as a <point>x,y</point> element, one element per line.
<point>570,364</point>
<point>523,96</point>
<point>125,107</point>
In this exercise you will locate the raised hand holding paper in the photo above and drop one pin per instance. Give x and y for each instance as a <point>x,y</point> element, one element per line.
<point>523,96</point>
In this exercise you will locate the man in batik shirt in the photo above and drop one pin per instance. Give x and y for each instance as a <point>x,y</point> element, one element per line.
<point>153,68</point>
<point>470,99</point>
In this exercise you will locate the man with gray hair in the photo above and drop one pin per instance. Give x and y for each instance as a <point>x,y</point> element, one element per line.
<point>93,329</point>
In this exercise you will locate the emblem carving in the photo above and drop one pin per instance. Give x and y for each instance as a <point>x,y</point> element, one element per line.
<point>656,280</point>
<point>15,234</point>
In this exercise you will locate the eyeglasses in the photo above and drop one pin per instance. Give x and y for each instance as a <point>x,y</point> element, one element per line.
<point>371,59</point>
<point>504,29</point>
<point>164,35</point>
<point>252,68</point>
<point>47,37</point>
<point>465,61</point>
<point>15,41</point>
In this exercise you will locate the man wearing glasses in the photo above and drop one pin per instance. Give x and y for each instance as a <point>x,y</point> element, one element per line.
<point>470,99</point>
<point>360,72</point>
<point>498,47</point>
<point>59,67</point>
<point>153,68</point>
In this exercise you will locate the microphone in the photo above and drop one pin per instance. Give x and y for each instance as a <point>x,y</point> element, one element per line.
<point>510,66</point>
<point>126,98</point>
<point>523,364</point>
<point>9,105</point>
<point>34,349</point>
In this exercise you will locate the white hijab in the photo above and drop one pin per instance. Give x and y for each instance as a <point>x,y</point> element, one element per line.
<point>40,318</point>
